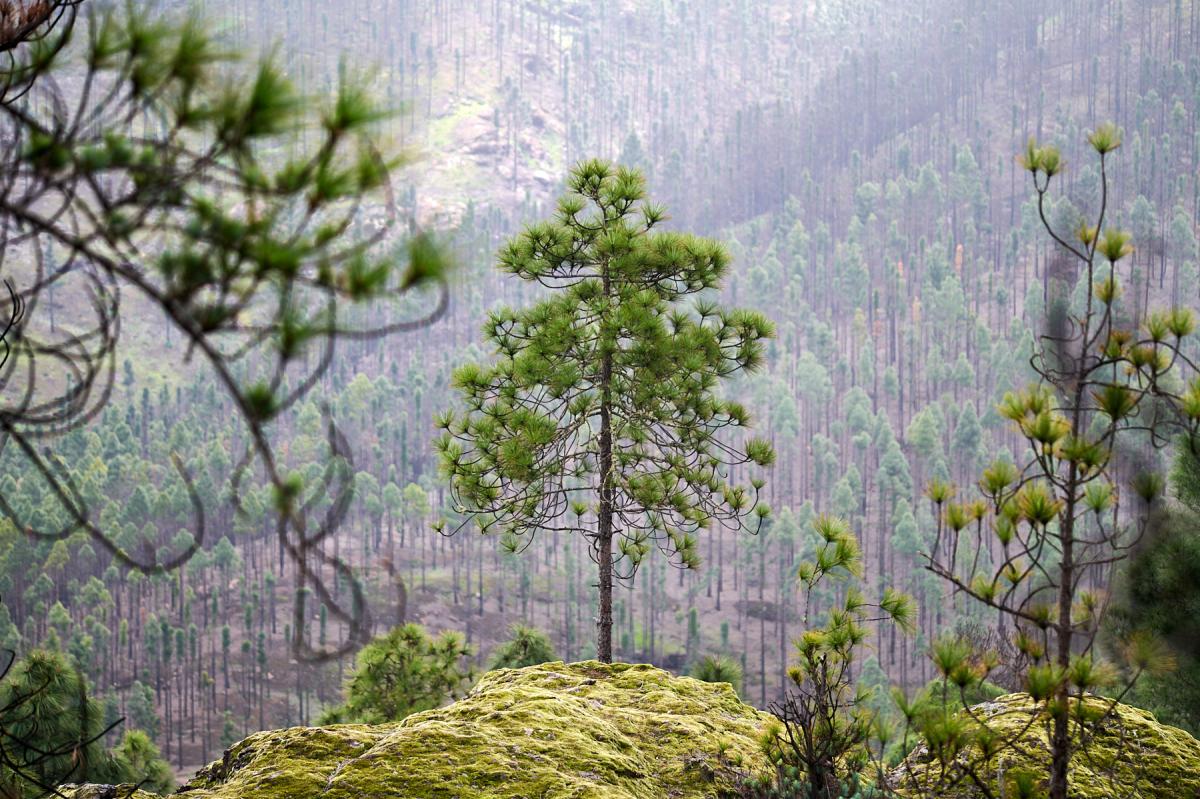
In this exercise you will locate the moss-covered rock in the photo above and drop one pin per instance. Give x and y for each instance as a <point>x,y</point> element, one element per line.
<point>1128,754</point>
<point>554,731</point>
<point>105,792</point>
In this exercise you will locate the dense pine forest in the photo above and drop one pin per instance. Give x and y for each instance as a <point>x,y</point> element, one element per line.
<point>854,251</point>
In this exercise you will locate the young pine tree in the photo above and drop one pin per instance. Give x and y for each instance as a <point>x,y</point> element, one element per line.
<point>827,723</point>
<point>1060,518</point>
<point>600,415</point>
<point>527,646</point>
<point>403,672</point>
<point>718,668</point>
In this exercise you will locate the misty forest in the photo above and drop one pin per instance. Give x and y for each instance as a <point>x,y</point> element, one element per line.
<point>645,399</point>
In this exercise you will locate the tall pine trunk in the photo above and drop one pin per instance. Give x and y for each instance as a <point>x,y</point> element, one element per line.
<point>605,531</point>
<point>1060,740</point>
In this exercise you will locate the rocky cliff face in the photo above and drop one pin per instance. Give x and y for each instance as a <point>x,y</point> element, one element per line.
<point>582,730</point>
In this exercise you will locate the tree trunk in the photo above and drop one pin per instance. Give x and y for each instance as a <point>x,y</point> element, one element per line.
<point>605,532</point>
<point>1060,739</point>
<point>401,601</point>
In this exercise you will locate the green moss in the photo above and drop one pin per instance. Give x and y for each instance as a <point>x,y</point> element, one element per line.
<point>554,731</point>
<point>283,763</point>
<point>1130,754</point>
<point>105,792</point>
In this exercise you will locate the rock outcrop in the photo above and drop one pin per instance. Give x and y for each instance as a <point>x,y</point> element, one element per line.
<point>595,731</point>
<point>105,792</point>
<point>556,731</point>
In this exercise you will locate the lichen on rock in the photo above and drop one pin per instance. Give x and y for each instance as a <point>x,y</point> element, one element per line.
<point>1126,753</point>
<point>555,731</point>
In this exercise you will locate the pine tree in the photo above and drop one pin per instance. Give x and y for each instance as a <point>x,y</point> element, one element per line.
<point>1055,515</point>
<point>526,647</point>
<point>403,672</point>
<point>599,416</point>
<point>718,668</point>
<point>54,731</point>
<point>251,197</point>
<point>819,745</point>
<point>139,757</point>
<point>229,734</point>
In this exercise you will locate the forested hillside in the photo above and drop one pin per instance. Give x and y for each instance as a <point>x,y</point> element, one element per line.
<point>856,157</point>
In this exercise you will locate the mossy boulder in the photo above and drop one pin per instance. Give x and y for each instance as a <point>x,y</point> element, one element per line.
<point>1128,754</point>
<point>555,731</point>
<point>105,792</point>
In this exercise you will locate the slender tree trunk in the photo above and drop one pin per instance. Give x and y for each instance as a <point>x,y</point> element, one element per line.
<point>1060,740</point>
<point>401,600</point>
<point>605,531</point>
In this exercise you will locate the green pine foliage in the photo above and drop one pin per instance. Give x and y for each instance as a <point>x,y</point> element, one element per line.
<point>600,414</point>
<point>140,760</point>
<point>54,732</point>
<point>790,783</point>
<point>403,672</point>
<point>822,743</point>
<point>718,668</point>
<point>527,646</point>
<point>1102,384</point>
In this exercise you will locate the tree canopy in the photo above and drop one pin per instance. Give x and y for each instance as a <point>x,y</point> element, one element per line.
<point>600,414</point>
